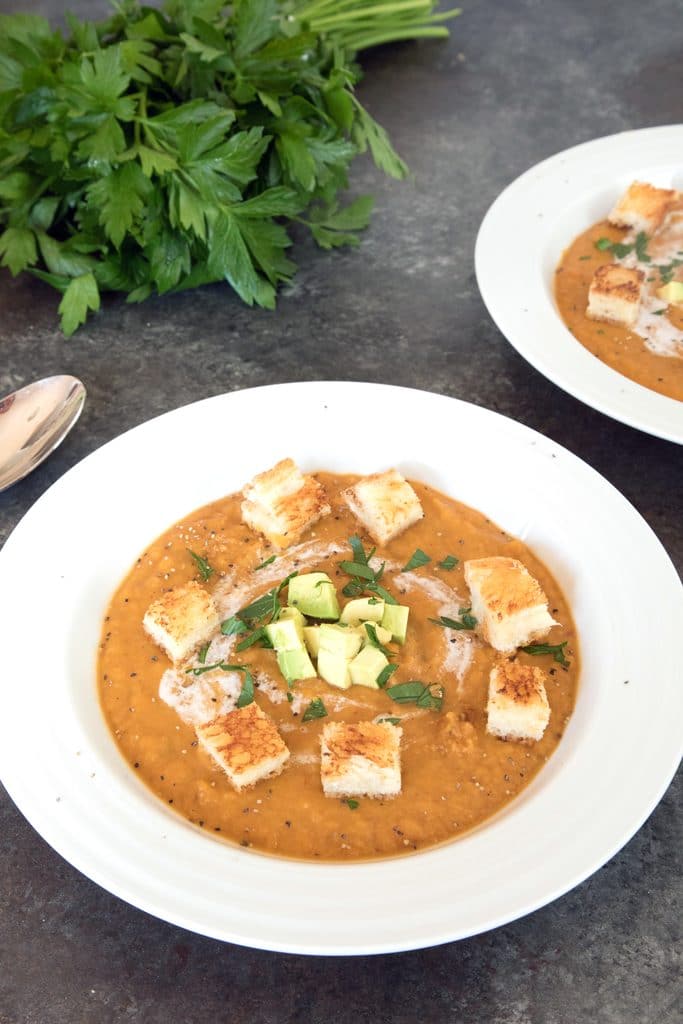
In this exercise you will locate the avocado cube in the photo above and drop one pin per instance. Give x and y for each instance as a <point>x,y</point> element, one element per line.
<point>293,613</point>
<point>366,666</point>
<point>313,594</point>
<point>383,635</point>
<point>339,640</point>
<point>395,619</point>
<point>296,665</point>
<point>362,609</point>
<point>285,634</point>
<point>312,640</point>
<point>334,669</point>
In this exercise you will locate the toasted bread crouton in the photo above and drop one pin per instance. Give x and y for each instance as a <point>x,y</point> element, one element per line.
<point>362,759</point>
<point>181,620</point>
<point>517,707</point>
<point>281,503</point>
<point>507,602</point>
<point>385,503</point>
<point>246,744</point>
<point>642,207</point>
<point>615,294</point>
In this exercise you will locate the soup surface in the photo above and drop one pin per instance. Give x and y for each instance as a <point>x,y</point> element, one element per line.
<point>650,353</point>
<point>454,774</point>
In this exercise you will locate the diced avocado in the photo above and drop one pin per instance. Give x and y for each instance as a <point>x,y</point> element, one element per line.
<point>339,640</point>
<point>312,640</point>
<point>395,619</point>
<point>366,666</point>
<point>285,634</point>
<point>362,609</point>
<point>383,635</point>
<point>313,594</point>
<point>334,669</point>
<point>671,292</point>
<point>296,665</point>
<point>293,613</point>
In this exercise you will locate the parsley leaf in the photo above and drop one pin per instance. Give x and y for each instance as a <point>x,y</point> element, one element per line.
<point>466,620</point>
<point>449,562</point>
<point>416,560</point>
<point>414,692</point>
<point>205,570</point>
<point>351,803</point>
<point>386,674</point>
<point>371,631</point>
<point>80,296</point>
<point>557,651</point>
<point>268,561</point>
<point>316,709</point>
<point>364,578</point>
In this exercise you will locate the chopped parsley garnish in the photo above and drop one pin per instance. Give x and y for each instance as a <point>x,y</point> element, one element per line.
<point>247,692</point>
<point>371,630</point>
<point>466,620</point>
<point>386,674</point>
<point>268,561</point>
<point>659,312</point>
<point>268,606</point>
<point>618,249</point>
<point>449,562</point>
<point>390,720</point>
<point>423,695</point>
<point>232,625</point>
<point>351,803</point>
<point>316,709</point>
<point>557,651</point>
<point>205,570</point>
<point>641,247</point>
<point>416,560</point>
<point>364,579</point>
<point>201,657</point>
<point>259,636</point>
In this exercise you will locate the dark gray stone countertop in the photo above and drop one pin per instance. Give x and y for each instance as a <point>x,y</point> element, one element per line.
<point>516,82</point>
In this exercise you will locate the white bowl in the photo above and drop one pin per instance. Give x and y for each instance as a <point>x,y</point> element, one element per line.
<point>62,768</point>
<point>521,241</point>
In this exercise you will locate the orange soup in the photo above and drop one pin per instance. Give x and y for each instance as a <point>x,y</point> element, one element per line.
<point>455,774</point>
<point>651,352</point>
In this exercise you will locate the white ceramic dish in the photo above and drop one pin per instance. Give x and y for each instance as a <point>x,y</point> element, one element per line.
<point>519,245</point>
<point>60,765</point>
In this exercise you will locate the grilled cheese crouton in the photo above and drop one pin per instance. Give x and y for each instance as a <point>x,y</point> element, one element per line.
<point>281,503</point>
<point>507,602</point>
<point>361,759</point>
<point>517,707</point>
<point>615,294</point>
<point>642,207</point>
<point>181,620</point>
<point>246,744</point>
<point>385,503</point>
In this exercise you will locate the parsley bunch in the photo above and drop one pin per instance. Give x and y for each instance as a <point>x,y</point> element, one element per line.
<point>165,149</point>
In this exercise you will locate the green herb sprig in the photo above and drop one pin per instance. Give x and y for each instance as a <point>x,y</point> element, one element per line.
<point>364,578</point>
<point>423,695</point>
<point>205,570</point>
<point>466,620</point>
<point>246,693</point>
<point>557,651</point>
<point>316,709</point>
<point>163,149</point>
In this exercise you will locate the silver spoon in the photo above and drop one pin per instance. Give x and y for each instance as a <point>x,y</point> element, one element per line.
<point>33,421</point>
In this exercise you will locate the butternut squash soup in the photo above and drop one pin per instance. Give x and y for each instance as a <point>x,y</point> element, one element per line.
<point>383,712</point>
<point>630,316</point>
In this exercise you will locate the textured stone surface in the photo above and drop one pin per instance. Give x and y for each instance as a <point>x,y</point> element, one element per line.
<point>517,82</point>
